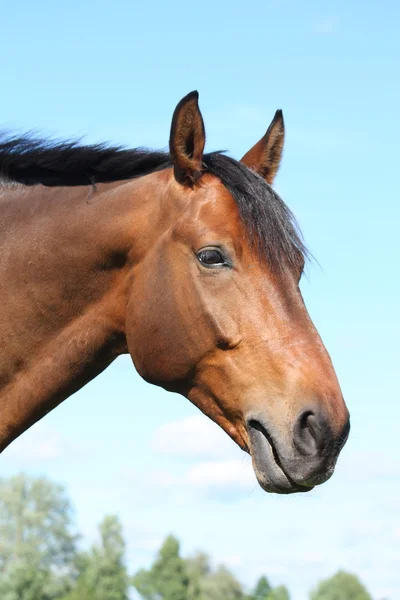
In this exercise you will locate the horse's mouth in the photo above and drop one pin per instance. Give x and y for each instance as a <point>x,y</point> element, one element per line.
<point>266,463</point>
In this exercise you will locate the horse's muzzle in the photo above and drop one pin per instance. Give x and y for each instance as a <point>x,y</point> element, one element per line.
<point>297,464</point>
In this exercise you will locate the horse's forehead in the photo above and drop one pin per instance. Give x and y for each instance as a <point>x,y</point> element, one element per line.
<point>215,206</point>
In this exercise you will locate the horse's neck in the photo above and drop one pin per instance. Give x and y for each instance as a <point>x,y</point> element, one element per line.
<point>63,285</point>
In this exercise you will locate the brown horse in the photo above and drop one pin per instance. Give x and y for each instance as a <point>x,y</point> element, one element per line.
<point>188,261</point>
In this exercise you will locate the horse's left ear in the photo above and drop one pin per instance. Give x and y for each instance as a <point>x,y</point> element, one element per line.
<point>187,140</point>
<point>265,156</point>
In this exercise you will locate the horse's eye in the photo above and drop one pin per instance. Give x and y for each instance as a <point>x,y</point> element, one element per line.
<point>211,257</point>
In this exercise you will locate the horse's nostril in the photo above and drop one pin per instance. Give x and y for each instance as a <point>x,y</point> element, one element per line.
<point>311,433</point>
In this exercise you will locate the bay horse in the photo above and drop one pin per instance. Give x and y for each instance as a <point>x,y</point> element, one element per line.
<point>189,262</point>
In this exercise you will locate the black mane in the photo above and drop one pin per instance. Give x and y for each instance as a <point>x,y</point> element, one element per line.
<point>30,161</point>
<point>268,221</point>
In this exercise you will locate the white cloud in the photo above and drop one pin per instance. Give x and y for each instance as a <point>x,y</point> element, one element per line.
<point>227,480</point>
<point>223,480</point>
<point>194,437</point>
<point>233,561</point>
<point>162,480</point>
<point>40,443</point>
<point>218,469</point>
<point>214,466</point>
<point>150,543</point>
<point>221,473</point>
<point>371,466</point>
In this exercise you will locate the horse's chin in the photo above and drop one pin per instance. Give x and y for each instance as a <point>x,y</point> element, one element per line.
<point>268,470</point>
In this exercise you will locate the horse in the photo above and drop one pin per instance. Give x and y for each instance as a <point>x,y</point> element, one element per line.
<point>188,261</point>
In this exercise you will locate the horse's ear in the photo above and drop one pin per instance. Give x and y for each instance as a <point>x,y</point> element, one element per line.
<point>187,140</point>
<point>265,156</point>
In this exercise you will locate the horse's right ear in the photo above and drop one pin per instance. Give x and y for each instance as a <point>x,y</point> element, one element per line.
<point>264,158</point>
<point>187,140</point>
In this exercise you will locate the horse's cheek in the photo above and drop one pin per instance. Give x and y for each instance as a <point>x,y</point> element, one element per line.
<point>157,343</point>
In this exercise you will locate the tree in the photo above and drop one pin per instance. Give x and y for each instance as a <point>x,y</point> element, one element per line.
<point>279,593</point>
<point>262,589</point>
<point>37,547</point>
<point>174,578</point>
<point>112,576</point>
<point>221,584</point>
<point>208,584</point>
<point>22,581</point>
<point>103,575</point>
<point>167,579</point>
<point>342,586</point>
<point>197,568</point>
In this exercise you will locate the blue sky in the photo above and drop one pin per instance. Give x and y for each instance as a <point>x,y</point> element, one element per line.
<point>115,72</point>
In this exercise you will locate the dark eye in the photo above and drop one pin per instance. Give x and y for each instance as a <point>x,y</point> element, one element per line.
<point>212,257</point>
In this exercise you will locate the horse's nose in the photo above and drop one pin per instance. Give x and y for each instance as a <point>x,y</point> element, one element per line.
<point>304,458</point>
<point>312,434</point>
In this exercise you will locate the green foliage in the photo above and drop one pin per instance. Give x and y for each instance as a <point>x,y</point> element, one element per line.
<point>22,581</point>
<point>221,584</point>
<point>39,560</point>
<point>342,586</point>
<point>112,576</point>
<point>262,589</point>
<point>37,547</point>
<point>167,579</point>
<point>103,575</point>
<point>173,578</point>
<point>197,568</point>
<point>279,593</point>
<point>35,521</point>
